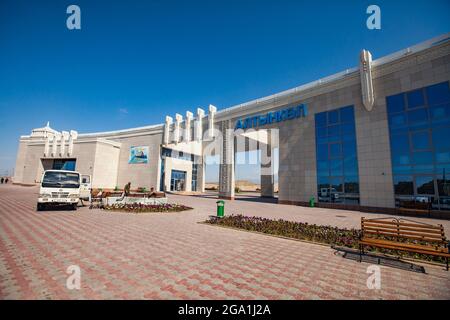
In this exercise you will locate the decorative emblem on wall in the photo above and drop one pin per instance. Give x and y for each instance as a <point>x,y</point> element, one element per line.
<point>365,71</point>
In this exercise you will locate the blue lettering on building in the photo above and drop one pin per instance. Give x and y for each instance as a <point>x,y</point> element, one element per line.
<point>272,117</point>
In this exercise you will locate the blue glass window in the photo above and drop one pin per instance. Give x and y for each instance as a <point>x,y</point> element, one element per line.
<point>396,103</point>
<point>321,120</point>
<point>420,140</point>
<point>420,144</point>
<point>337,162</point>
<point>418,116</point>
<point>415,99</point>
<point>347,115</point>
<point>333,117</point>
<point>438,93</point>
<point>335,150</point>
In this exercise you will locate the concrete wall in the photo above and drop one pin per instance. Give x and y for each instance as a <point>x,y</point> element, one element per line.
<point>20,162</point>
<point>140,175</point>
<point>106,166</point>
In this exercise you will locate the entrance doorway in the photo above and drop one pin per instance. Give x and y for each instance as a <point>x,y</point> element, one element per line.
<point>178,180</point>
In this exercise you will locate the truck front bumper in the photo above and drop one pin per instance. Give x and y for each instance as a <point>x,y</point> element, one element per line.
<point>58,200</point>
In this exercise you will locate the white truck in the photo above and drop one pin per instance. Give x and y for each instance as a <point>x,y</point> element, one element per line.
<point>60,187</point>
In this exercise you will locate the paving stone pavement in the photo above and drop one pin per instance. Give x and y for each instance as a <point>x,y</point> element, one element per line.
<point>172,256</point>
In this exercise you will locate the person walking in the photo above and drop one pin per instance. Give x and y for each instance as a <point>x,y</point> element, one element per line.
<point>6,180</point>
<point>2,180</point>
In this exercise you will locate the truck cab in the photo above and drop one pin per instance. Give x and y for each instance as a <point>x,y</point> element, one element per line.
<point>59,187</point>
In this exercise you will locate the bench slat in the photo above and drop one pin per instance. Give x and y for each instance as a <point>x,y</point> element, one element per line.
<point>407,233</point>
<point>404,236</point>
<point>394,227</point>
<point>407,224</point>
<point>396,246</point>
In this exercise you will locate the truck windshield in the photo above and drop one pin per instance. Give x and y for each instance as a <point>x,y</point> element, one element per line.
<point>61,180</point>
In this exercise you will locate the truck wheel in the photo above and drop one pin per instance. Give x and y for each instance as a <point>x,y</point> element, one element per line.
<point>40,207</point>
<point>74,206</point>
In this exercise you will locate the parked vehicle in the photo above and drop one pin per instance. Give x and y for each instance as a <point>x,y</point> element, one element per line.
<point>59,187</point>
<point>85,188</point>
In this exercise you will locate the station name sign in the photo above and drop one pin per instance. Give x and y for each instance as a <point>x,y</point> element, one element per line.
<point>272,117</point>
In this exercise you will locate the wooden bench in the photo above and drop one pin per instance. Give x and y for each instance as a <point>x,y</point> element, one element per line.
<point>404,235</point>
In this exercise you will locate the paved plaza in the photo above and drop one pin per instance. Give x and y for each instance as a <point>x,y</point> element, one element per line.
<point>172,256</point>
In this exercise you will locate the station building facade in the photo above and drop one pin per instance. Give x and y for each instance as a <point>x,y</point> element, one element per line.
<point>374,138</point>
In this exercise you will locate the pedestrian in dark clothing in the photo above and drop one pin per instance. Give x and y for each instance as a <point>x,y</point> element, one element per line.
<point>2,180</point>
<point>6,181</point>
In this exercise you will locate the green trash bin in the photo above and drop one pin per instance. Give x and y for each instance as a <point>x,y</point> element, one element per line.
<point>220,208</point>
<point>312,202</point>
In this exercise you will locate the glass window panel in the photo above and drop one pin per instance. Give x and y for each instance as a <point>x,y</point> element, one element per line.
<point>421,169</point>
<point>323,182</point>
<point>349,149</point>
<point>440,112</point>
<point>322,132</point>
<point>443,170</point>
<point>443,157</point>
<point>336,184</point>
<point>335,150</point>
<point>402,170</point>
<point>340,147</point>
<point>403,185</point>
<point>333,117</point>
<point>351,184</point>
<point>425,184</point>
<point>441,138</point>
<point>348,130</point>
<point>322,151</point>
<point>422,157</point>
<point>415,99</point>
<point>438,93</point>
<point>323,169</point>
<point>418,116</point>
<point>401,158</point>
<point>347,115</point>
<point>321,119</point>
<point>397,120</point>
<point>350,167</point>
<point>444,186</point>
<point>336,167</point>
<point>400,143</point>
<point>334,132</point>
<point>395,103</point>
<point>420,140</point>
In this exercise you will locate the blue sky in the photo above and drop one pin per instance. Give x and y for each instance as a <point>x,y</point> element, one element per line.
<point>135,61</point>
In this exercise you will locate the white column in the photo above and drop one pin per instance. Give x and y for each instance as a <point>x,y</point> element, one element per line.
<point>47,146</point>
<point>72,136</point>
<point>55,145</point>
<point>198,129</point>
<point>226,167</point>
<point>169,121</point>
<point>64,138</point>
<point>187,126</point>
<point>267,172</point>
<point>176,130</point>
<point>212,111</point>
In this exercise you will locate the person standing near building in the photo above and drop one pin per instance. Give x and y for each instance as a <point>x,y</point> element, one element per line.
<point>6,180</point>
<point>127,189</point>
<point>2,180</point>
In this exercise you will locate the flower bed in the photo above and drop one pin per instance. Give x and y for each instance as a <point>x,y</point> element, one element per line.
<point>309,232</point>
<point>142,208</point>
